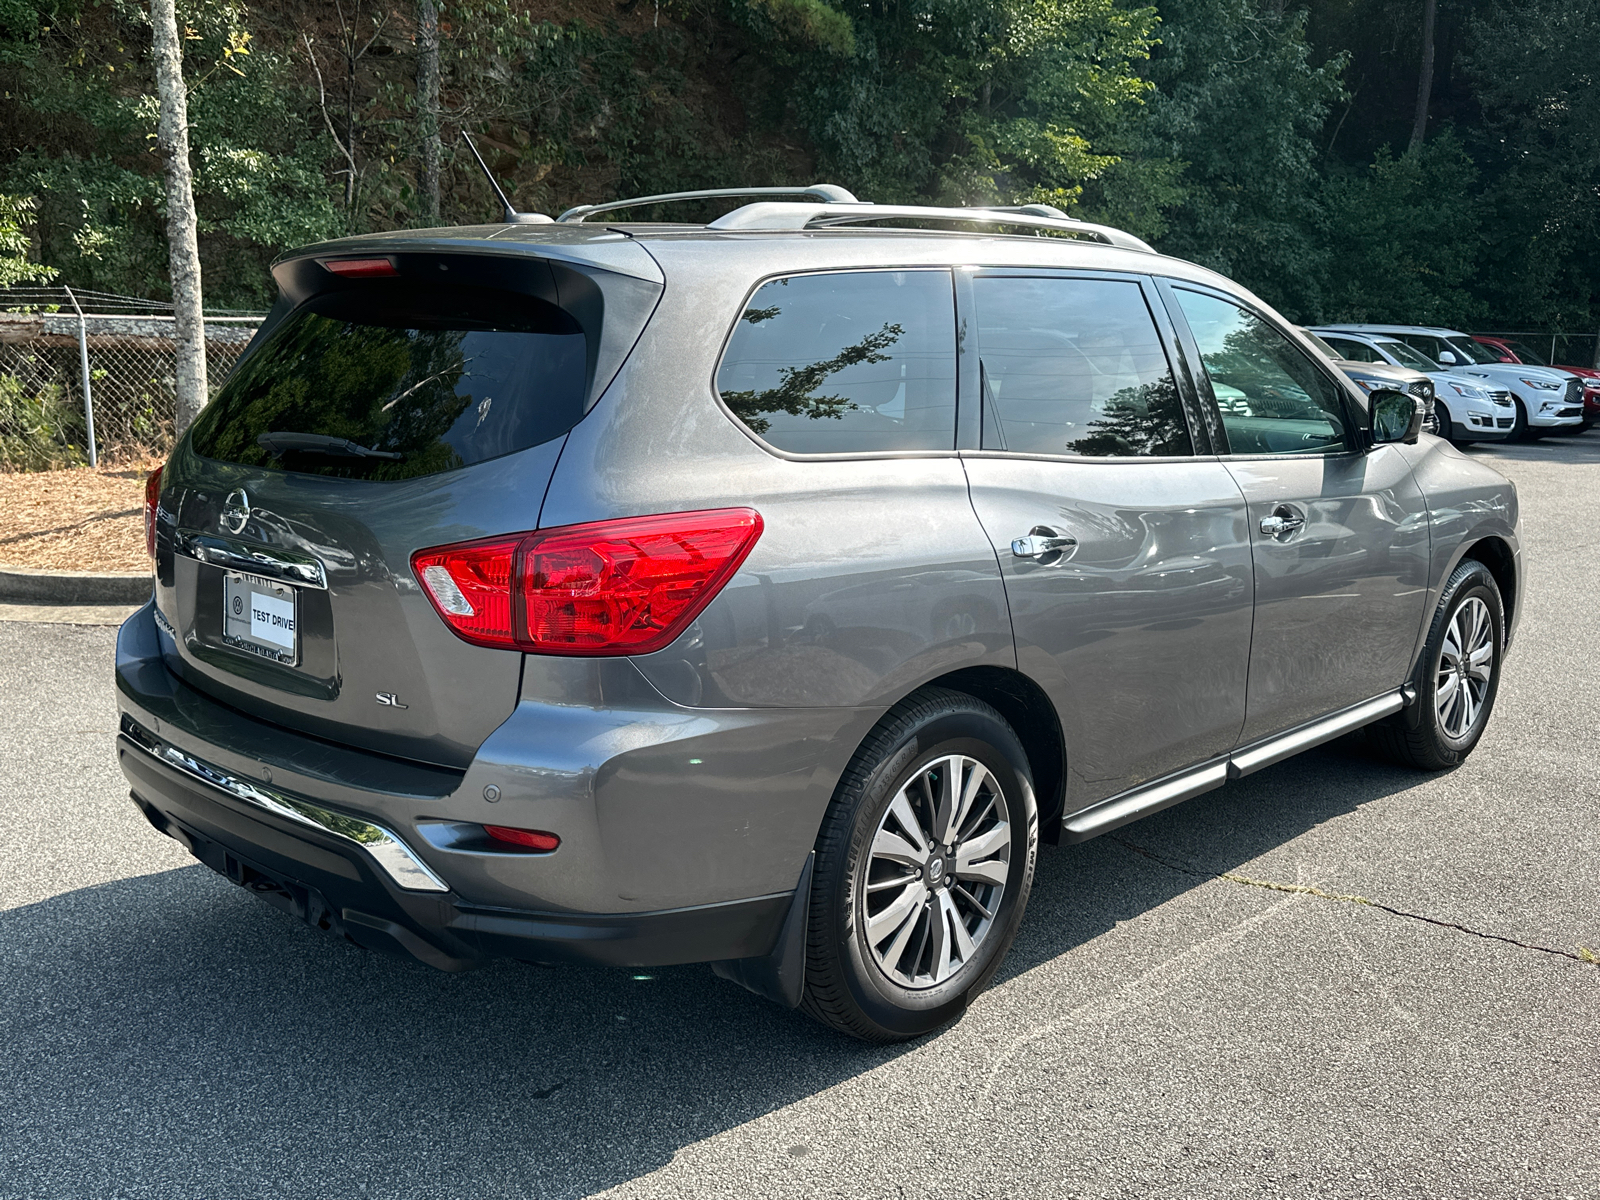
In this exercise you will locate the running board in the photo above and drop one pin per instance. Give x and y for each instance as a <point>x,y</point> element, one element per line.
<point>1150,798</point>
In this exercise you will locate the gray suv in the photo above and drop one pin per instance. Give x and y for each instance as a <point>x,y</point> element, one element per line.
<point>762,592</point>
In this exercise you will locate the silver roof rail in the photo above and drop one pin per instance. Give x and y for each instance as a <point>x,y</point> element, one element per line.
<point>827,193</point>
<point>768,216</point>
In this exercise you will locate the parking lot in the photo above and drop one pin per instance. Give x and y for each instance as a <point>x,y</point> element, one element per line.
<point>1196,1006</point>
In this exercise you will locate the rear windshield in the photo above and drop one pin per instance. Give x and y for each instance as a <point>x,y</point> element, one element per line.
<point>392,383</point>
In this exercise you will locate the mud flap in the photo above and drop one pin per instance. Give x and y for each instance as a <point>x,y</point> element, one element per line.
<point>780,975</point>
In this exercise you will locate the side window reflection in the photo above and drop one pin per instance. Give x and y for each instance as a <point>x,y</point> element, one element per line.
<point>1272,399</point>
<point>1074,366</point>
<point>846,362</point>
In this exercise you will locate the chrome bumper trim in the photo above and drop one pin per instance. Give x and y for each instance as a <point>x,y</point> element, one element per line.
<point>392,856</point>
<point>236,555</point>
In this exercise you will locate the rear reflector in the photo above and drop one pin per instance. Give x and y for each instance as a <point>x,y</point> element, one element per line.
<point>360,268</point>
<point>629,586</point>
<point>152,498</point>
<point>528,839</point>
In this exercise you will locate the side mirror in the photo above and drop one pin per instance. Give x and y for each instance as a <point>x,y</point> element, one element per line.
<point>1447,357</point>
<point>1395,416</point>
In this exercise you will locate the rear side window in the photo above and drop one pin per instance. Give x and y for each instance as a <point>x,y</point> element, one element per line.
<point>1074,366</point>
<point>394,383</point>
<point>851,362</point>
<point>1272,399</point>
<point>1353,351</point>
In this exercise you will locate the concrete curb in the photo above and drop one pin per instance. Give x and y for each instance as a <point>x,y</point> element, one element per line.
<point>73,587</point>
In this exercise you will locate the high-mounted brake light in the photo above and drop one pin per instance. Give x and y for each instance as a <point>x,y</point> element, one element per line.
<point>152,498</point>
<point>628,586</point>
<point>523,839</point>
<point>360,268</point>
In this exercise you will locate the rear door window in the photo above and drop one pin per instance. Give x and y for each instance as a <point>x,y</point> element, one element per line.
<point>1273,399</point>
<point>1074,366</point>
<point>399,382</point>
<point>1352,351</point>
<point>847,362</point>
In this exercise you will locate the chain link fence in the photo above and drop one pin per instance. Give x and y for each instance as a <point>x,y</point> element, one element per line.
<point>89,377</point>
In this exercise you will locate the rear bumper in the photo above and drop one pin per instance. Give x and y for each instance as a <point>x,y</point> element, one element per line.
<point>683,831</point>
<point>337,886</point>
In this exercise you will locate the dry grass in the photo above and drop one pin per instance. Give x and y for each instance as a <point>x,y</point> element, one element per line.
<point>84,519</point>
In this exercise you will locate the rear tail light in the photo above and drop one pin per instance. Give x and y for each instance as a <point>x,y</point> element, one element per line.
<point>152,498</point>
<point>361,268</point>
<point>629,586</point>
<point>525,839</point>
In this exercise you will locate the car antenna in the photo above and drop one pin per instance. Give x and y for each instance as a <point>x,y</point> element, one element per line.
<point>512,216</point>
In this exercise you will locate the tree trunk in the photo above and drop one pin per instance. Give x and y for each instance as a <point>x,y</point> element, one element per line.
<point>183,251</point>
<point>1419,126</point>
<point>428,107</point>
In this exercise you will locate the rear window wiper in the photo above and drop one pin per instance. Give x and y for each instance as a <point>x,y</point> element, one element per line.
<point>276,444</point>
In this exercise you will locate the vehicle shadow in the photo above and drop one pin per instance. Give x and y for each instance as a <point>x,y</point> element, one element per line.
<point>169,1035</point>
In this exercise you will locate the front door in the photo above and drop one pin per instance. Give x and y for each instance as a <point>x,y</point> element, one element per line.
<point>1339,537</point>
<point>1125,554</point>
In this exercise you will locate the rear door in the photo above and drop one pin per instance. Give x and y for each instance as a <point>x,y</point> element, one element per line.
<point>1129,582</point>
<point>381,415</point>
<point>1339,537</point>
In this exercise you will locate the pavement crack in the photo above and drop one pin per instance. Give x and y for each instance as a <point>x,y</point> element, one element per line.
<point>1583,955</point>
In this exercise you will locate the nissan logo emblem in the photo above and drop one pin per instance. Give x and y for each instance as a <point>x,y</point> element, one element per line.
<point>235,511</point>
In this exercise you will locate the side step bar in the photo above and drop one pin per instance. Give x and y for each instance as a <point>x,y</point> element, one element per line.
<point>1129,806</point>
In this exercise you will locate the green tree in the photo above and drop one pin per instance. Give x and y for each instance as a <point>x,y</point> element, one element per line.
<point>1220,165</point>
<point>16,215</point>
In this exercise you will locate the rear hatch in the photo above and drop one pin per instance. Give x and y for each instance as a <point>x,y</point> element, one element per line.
<point>405,393</point>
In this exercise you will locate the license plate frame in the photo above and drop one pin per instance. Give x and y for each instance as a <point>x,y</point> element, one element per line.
<point>254,619</point>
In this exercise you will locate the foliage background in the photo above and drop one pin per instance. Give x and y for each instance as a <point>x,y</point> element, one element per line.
<point>1267,140</point>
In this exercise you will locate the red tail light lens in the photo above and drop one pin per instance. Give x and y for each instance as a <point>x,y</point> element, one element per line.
<point>526,839</point>
<point>361,268</point>
<point>629,586</point>
<point>152,498</point>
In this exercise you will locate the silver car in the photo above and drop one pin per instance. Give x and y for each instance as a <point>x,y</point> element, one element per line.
<point>761,593</point>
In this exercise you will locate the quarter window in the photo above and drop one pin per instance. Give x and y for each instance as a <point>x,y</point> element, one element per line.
<point>857,361</point>
<point>1272,398</point>
<point>1074,366</point>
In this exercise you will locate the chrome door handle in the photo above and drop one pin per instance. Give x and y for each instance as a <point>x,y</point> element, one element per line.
<point>1037,545</point>
<point>1280,523</point>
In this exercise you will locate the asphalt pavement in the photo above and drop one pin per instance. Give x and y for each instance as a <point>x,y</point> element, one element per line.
<point>1158,1031</point>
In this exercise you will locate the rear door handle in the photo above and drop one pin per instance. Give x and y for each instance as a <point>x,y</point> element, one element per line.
<point>1284,520</point>
<point>1041,542</point>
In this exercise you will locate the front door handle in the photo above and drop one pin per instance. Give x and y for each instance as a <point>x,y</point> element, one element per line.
<point>1040,543</point>
<point>1283,521</point>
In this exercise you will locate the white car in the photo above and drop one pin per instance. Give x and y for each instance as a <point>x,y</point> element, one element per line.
<point>1468,409</point>
<point>1545,399</point>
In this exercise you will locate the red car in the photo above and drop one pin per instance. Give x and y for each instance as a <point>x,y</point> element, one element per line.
<point>1512,351</point>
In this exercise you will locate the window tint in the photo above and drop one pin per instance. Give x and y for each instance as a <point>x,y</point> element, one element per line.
<point>398,382</point>
<point>1353,351</point>
<point>1408,356</point>
<point>1524,352</point>
<point>1273,400</point>
<point>847,362</point>
<point>1074,366</point>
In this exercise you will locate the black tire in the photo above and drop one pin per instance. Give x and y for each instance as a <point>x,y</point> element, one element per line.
<point>1421,736</point>
<point>1519,425</point>
<point>1446,426</point>
<point>846,987</point>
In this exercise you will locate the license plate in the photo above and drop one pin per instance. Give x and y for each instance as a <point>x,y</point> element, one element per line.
<point>261,616</point>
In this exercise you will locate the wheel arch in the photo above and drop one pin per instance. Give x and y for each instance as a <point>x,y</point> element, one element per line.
<point>1494,553</point>
<point>1028,710</point>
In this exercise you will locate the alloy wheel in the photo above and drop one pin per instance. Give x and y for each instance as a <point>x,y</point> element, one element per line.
<point>936,872</point>
<point>1466,668</point>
